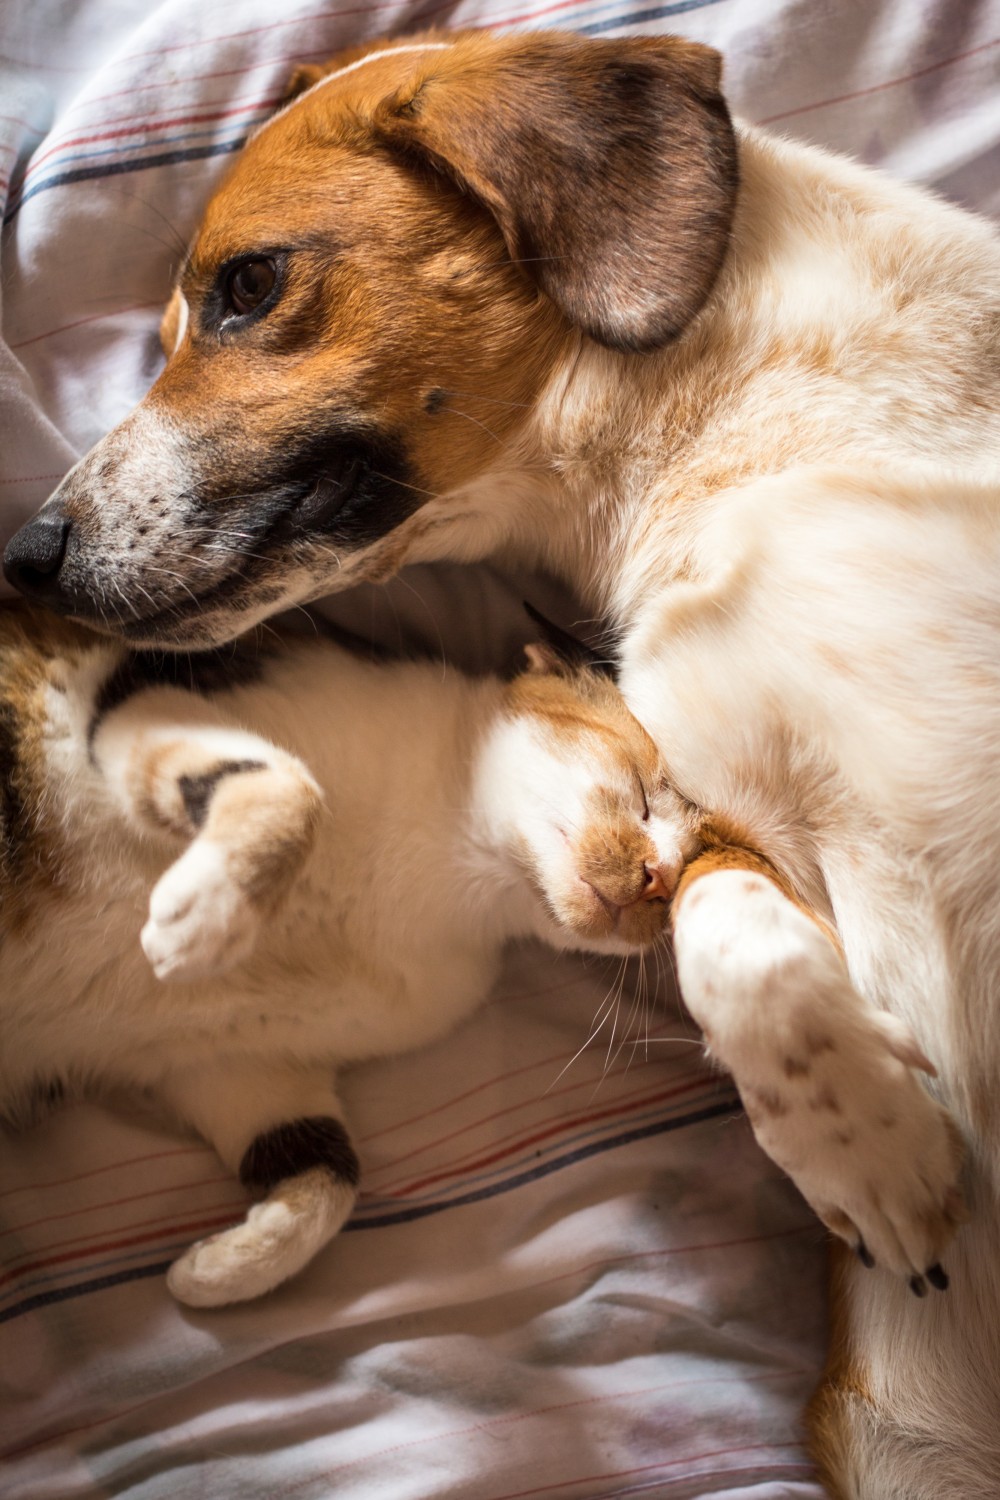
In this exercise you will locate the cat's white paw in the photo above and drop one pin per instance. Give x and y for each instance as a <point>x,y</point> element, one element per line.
<point>866,1145</point>
<point>200,921</point>
<point>275,1240</point>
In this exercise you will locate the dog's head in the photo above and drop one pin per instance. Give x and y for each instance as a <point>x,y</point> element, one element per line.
<point>375,298</point>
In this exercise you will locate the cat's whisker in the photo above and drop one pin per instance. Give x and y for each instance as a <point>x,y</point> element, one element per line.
<point>597,1025</point>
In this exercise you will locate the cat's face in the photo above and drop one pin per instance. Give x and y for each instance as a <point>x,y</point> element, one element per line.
<point>592,819</point>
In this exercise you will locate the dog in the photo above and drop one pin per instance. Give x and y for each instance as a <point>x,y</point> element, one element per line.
<point>538,296</point>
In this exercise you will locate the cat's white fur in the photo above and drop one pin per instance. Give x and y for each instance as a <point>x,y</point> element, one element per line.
<point>401,872</point>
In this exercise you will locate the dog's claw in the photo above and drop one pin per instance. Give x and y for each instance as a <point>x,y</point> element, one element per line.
<point>918,1286</point>
<point>937,1276</point>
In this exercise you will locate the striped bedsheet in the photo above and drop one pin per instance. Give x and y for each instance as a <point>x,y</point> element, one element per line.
<point>571,1274</point>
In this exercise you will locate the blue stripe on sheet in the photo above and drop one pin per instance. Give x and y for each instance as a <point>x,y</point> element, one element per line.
<point>402,1216</point>
<point>560,1145</point>
<point>114,169</point>
<point>215,135</point>
<point>64,1293</point>
<point>68,176</point>
<point>649,13</point>
<point>543,1169</point>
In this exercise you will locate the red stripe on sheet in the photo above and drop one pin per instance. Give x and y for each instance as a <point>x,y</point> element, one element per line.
<point>491,1423</point>
<point>533,15</point>
<point>563,1055</point>
<point>270,102</point>
<point>624,1099</point>
<point>93,1244</point>
<point>484,1426</point>
<point>192,1226</point>
<point>130,1161</point>
<point>559,1127</point>
<point>75,1213</point>
<point>366,9</point>
<point>94,318</point>
<point>27,479</point>
<point>303,20</point>
<point>877,88</point>
<point>664,1463</point>
<point>812,1227</point>
<point>16,120</point>
<point>265,65</point>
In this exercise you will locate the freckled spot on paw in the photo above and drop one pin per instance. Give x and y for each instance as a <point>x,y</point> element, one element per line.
<point>819,1042</point>
<point>771,1102</point>
<point>825,1098</point>
<point>752,886</point>
<point>887,1122</point>
<point>795,1067</point>
<point>844,1137</point>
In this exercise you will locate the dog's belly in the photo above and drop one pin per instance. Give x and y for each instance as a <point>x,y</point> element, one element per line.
<point>835,691</point>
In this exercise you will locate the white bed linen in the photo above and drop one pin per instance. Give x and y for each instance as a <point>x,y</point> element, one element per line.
<point>557,1283</point>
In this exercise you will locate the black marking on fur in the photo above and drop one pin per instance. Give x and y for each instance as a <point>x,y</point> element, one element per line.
<point>434,400</point>
<point>296,1147</point>
<point>200,672</point>
<point>28,1106</point>
<point>198,791</point>
<point>349,486</point>
<point>13,818</point>
<point>937,1276</point>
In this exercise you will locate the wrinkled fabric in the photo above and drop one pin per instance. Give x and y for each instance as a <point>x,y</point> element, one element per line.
<point>571,1273</point>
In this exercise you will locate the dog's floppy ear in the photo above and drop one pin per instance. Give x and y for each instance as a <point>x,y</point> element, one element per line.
<point>610,167</point>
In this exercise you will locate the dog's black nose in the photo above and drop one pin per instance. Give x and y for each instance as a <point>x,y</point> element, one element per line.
<point>35,555</point>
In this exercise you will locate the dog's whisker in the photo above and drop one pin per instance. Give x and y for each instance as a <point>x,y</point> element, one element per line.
<point>454,412</point>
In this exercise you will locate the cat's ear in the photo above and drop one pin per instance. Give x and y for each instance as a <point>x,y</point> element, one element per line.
<point>542,659</point>
<point>563,653</point>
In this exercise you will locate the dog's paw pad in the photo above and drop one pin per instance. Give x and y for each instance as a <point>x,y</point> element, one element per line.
<point>876,1157</point>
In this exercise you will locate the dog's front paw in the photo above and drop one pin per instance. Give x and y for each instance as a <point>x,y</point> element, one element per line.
<point>871,1151</point>
<point>200,921</point>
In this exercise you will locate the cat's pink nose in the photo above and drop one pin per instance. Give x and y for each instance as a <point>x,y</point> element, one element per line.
<point>661,882</point>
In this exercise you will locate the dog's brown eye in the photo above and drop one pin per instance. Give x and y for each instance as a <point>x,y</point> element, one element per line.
<point>249,283</point>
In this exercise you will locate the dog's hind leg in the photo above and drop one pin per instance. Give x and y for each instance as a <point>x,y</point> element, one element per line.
<point>916,1415</point>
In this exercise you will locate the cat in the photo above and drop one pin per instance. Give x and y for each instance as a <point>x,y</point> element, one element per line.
<point>305,912</point>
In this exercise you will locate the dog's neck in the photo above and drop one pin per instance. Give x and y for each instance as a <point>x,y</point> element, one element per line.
<point>626,458</point>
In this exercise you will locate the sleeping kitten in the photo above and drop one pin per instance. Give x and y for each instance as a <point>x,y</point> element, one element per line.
<point>305,918</point>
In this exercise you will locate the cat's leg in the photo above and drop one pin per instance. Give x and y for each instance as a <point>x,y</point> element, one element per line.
<point>280,1130</point>
<point>828,1081</point>
<point>247,811</point>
